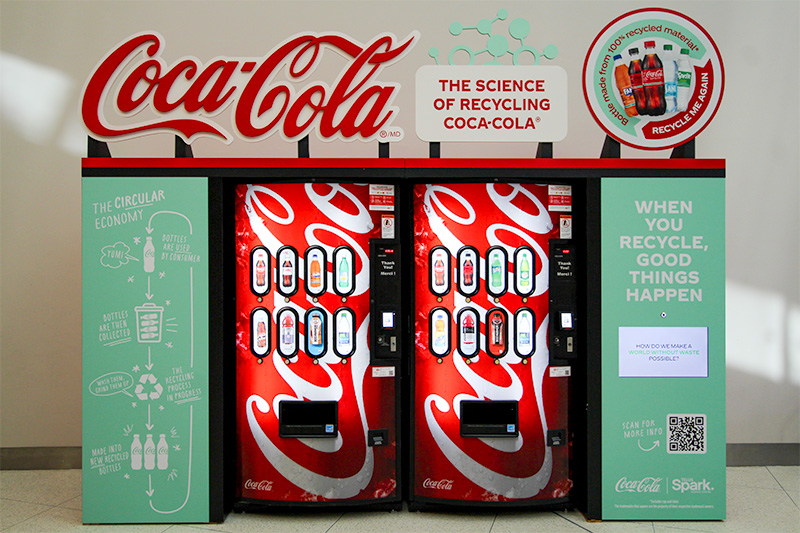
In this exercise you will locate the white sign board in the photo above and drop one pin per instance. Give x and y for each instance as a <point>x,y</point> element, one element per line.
<point>492,103</point>
<point>654,352</point>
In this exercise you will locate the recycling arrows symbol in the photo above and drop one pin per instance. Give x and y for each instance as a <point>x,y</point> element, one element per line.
<point>156,386</point>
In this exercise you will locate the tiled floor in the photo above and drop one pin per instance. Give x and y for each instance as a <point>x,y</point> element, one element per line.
<point>759,499</point>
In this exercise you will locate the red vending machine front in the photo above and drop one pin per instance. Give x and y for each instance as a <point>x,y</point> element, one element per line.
<point>316,416</point>
<point>490,417</point>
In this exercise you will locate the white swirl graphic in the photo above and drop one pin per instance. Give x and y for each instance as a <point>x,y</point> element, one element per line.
<point>539,223</point>
<point>251,193</point>
<point>507,486</point>
<point>433,189</point>
<point>361,222</point>
<point>318,484</point>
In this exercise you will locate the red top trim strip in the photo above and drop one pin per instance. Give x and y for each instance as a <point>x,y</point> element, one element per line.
<point>233,162</point>
<point>154,162</point>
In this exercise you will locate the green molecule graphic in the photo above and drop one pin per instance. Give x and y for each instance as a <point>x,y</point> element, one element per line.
<point>497,46</point>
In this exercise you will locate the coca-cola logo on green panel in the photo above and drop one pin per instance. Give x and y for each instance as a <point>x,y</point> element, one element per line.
<point>653,79</point>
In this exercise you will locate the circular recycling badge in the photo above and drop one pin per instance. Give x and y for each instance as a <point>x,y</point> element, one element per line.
<point>653,79</point>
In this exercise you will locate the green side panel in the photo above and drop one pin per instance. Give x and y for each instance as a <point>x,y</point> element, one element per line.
<point>145,350</point>
<point>663,348</point>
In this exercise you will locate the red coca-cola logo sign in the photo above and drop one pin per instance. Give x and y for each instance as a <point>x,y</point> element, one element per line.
<point>258,485</point>
<point>184,97</point>
<point>442,484</point>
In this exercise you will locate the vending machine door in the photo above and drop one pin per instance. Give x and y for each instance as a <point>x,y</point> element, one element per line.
<point>490,420</point>
<point>316,421</point>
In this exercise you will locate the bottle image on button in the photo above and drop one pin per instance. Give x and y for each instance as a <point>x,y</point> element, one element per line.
<point>315,333</point>
<point>467,263</point>
<point>439,271</point>
<point>316,270</point>
<point>287,270</point>
<point>524,324</point>
<point>496,271</point>
<point>497,334</point>
<point>439,331</point>
<point>468,332</point>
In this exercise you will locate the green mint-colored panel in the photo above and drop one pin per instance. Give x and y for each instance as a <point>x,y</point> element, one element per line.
<point>145,350</point>
<point>663,348</point>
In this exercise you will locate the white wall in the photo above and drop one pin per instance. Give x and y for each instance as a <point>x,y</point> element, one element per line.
<point>49,48</point>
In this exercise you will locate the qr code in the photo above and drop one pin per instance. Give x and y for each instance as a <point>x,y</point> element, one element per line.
<point>686,434</point>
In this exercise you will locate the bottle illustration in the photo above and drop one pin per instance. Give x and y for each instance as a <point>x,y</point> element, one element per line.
<point>524,333</point>
<point>315,327</point>
<point>316,272</point>
<point>653,80</point>
<point>343,334</point>
<point>438,273</point>
<point>496,275</point>
<point>684,80</point>
<point>468,335</point>
<point>261,335</point>
<point>623,80</point>
<point>136,453</point>
<point>287,273</point>
<point>525,272</point>
<point>469,272</point>
<point>149,453</point>
<point>344,275</point>
<point>635,74</point>
<point>670,79</point>
<point>287,330</point>
<point>163,452</point>
<point>496,336</point>
<point>261,273</point>
<point>149,255</point>
<point>439,338</point>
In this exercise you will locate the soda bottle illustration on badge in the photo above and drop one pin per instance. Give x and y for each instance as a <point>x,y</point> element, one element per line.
<point>439,339</point>
<point>261,335</point>
<point>344,274</point>
<point>149,453</point>
<point>524,332</point>
<point>653,81</point>
<point>286,273</point>
<point>316,272</point>
<point>261,273</point>
<point>287,330</point>
<point>670,79</point>
<point>635,73</point>
<point>316,331</point>
<point>496,272</point>
<point>496,335</point>
<point>468,331</point>
<point>624,86</point>
<point>149,255</point>
<point>525,272</point>
<point>469,272</point>
<point>438,273</point>
<point>344,333</point>
<point>136,453</point>
<point>163,452</point>
<point>684,80</point>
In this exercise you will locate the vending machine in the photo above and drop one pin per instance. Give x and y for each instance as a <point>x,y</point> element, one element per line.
<point>318,344</point>
<point>495,322</point>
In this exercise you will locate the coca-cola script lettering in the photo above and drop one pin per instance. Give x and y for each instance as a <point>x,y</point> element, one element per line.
<point>648,484</point>
<point>184,95</point>
<point>443,484</point>
<point>258,485</point>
